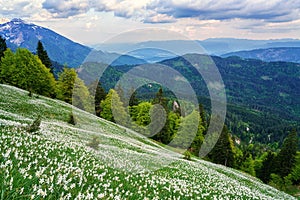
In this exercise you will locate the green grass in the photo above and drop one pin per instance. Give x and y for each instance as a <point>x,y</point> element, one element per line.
<point>57,162</point>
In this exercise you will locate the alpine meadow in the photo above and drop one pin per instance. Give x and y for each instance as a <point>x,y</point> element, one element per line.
<point>149,100</point>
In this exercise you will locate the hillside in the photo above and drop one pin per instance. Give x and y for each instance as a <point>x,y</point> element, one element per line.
<point>286,54</point>
<point>57,162</point>
<point>261,95</point>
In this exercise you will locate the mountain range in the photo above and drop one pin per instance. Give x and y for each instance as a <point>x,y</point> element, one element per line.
<point>19,33</point>
<point>211,46</point>
<point>287,54</point>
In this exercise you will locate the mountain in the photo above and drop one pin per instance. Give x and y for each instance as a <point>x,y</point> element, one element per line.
<point>287,54</point>
<point>19,33</point>
<point>60,49</point>
<point>96,159</point>
<point>211,46</point>
<point>113,58</point>
<point>152,55</point>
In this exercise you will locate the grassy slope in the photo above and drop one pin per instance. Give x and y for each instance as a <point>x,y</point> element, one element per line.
<point>58,163</point>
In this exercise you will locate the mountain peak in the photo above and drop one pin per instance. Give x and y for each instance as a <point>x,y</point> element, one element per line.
<point>18,20</point>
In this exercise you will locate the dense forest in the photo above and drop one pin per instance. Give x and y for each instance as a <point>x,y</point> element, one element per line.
<point>259,137</point>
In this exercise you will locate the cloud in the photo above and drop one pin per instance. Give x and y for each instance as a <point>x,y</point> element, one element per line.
<point>272,10</point>
<point>66,8</point>
<point>162,11</point>
<point>19,8</point>
<point>159,18</point>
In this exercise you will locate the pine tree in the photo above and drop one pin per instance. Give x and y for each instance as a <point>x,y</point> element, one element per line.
<point>133,101</point>
<point>223,151</point>
<point>3,47</point>
<point>264,173</point>
<point>161,99</point>
<point>163,135</point>
<point>295,173</point>
<point>286,156</point>
<point>100,95</point>
<point>43,56</point>
<point>203,117</point>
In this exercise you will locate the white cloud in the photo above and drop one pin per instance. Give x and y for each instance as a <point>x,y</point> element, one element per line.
<point>66,8</point>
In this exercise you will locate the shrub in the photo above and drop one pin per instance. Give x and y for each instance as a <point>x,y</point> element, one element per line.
<point>71,119</point>
<point>94,143</point>
<point>187,155</point>
<point>35,126</point>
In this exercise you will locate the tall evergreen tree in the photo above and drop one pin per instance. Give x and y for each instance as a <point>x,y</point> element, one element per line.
<point>286,156</point>
<point>133,101</point>
<point>296,170</point>
<point>162,135</point>
<point>100,95</point>
<point>223,151</point>
<point>161,99</point>
<point>43,55</point>
<point>203,117</point>
<point>3,47</point>
<point>267,168</point>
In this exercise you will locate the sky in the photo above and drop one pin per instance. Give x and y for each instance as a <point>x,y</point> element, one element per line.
<point>97,21</point>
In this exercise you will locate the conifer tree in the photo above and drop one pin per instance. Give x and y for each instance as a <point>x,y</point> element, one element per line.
<point>223,151</point>
<point>100,95</point>
<point>133,101</point>
<point>163,135</point>
<point>203,117</point>
<point>3,47</point>
<point>264,173</point>
<point>286,157</point>
<point>43,56</point>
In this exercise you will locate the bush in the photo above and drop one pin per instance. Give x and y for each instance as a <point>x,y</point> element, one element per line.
<point>187,155</point>
<point>35,126</point>
<point>94,143</point>
<point>71,119</point>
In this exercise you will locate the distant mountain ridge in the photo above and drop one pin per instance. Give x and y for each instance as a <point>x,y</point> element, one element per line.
<point>19,33</point>
<point>60,49</point>
<point>211,46</point>
<point>287,54</point>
